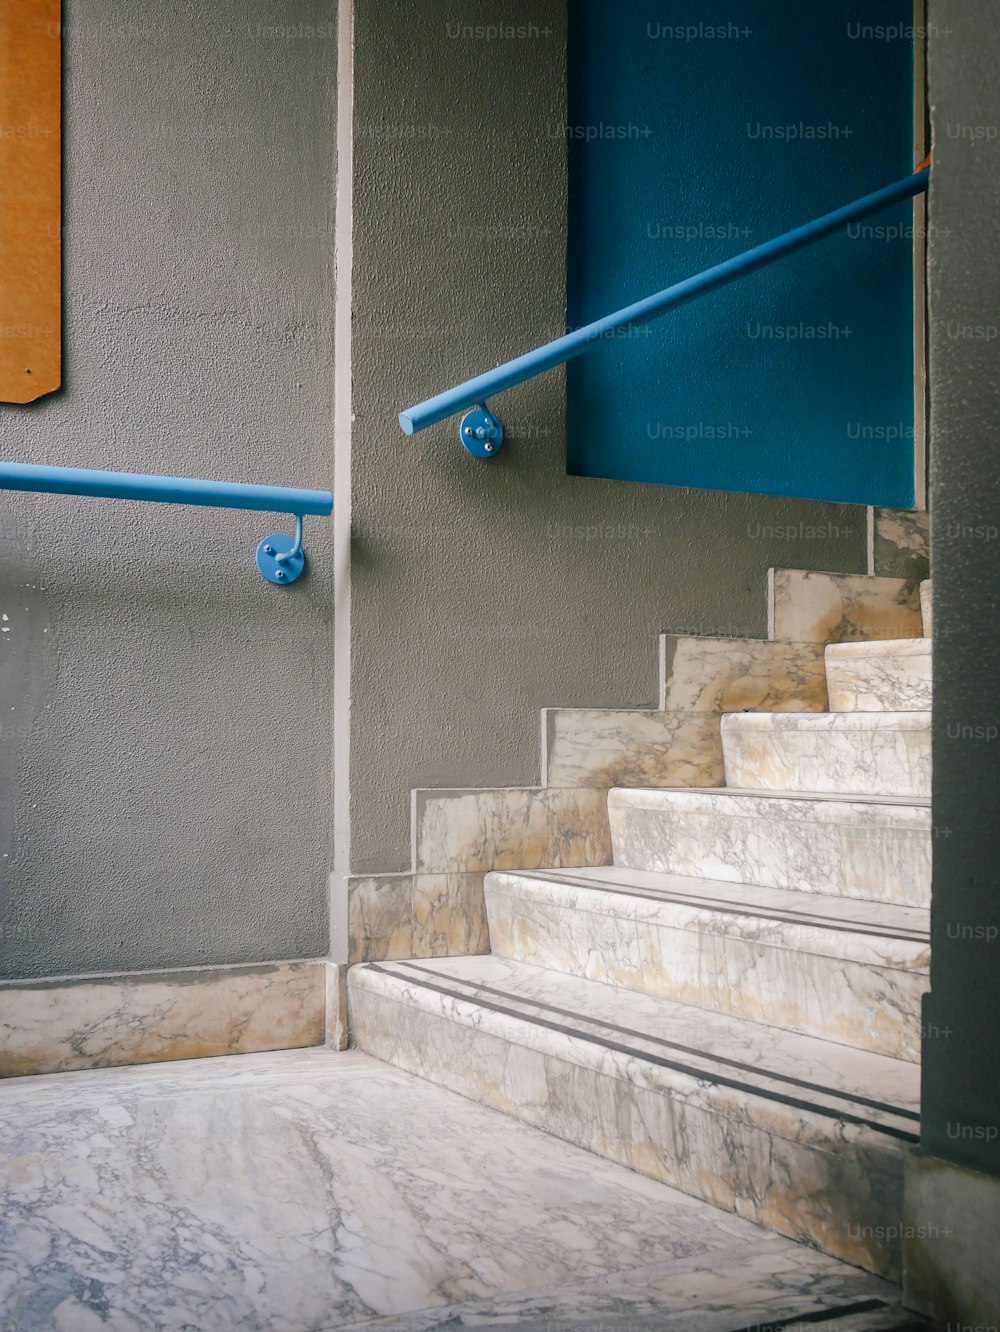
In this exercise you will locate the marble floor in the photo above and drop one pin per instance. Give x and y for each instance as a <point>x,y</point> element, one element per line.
<point>313,1190</point>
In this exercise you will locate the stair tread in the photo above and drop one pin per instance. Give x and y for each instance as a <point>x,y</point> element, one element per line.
<point>828,721</point>
<point>879,933</point>
<point>743,794</point>
<point>881,647</point>
<point>802,1082</point>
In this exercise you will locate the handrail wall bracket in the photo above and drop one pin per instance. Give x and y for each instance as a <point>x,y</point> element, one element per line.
<point>280,558</point>
<point>481,432</point>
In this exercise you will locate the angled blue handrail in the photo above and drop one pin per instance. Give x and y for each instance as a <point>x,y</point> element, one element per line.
<point>279,557</point>
<point>481,432</point>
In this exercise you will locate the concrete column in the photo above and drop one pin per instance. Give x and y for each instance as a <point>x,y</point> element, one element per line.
<point>953,1184</point>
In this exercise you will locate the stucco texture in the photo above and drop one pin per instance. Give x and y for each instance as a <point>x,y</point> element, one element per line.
<point>484,591</point>
<point>166,769</point>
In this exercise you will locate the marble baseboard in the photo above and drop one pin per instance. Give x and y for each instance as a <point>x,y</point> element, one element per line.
<point>927,607</point>
<point>839,753</point>
<point>77,1022</point>
<point>604,747</point>
<point>951,1241</point>
<point>760,1122</point>
<point>416,915</point>
<point>851,972</point>
<point>902,543</point>
<point>811,607</point>
<point>730,674</point>
<point>473,830</point>
<point>894,675</point>
<point>878,850</point>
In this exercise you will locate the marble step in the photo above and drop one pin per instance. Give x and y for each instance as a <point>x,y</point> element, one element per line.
<point>893,675</point>
<point>729,674</point>
<point>848,971</point>
<point>927,607</point>
<point>808,606</point>
<point>804,1136</point>
<point>879,850</point>
<point>843,753</point>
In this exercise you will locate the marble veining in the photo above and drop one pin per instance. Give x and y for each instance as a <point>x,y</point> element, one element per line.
<point>283,1193</point>
<point>730,674</point>
<point>879,850</point>
<point>686,1296</point>
<point>473,830</point>
<point>863,753</point>
<point>768,955</point>
<point>805,1136</point>
<point>894,675</point>
<point>901,543</point>
<point>415,915</point>
<point>77,1022</point>
<point>604,747</point>
<point>875,1098</point>
<point>807,606</point>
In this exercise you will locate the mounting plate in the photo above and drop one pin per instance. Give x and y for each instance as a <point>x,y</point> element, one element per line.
<point>481,433</point>
<point>278,571</point>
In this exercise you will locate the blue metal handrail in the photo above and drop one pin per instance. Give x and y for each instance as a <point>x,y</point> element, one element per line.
<point>482,433</point>
<point>280,558</point>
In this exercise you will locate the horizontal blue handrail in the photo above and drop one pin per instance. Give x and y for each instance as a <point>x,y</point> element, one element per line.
<point>164,489</point>
<point>279,557</point>
<point>474,392</point>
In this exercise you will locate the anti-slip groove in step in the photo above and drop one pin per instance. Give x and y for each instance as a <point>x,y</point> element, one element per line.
<point>714,904</point>
<point>473,992</point>
<point>817,1318</point>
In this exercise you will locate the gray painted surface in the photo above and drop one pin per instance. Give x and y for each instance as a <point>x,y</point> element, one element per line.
<point>166,783</point>
<point>483,592</point>
<point>961,1105</point>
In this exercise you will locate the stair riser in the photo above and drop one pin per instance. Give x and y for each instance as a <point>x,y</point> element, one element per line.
<point>874,1007</point>
<point>811,607</point>
<point>844,1204</point>
<point>901,543</point>
<point>585,747</point>
<point>880,684</point>
<point>858,856</point>
<point>470,831</point>
<point>884,762</point>
<point>730,674</point>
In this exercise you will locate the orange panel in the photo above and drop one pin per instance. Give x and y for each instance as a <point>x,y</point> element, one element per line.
<point>30,219</point>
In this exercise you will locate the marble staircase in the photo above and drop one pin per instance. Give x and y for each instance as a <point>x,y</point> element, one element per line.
<point>732,1004</point>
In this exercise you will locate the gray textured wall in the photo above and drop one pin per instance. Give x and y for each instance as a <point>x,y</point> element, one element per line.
<point>484,591</point>
<point>165,766</point>
<point>961,1107</point>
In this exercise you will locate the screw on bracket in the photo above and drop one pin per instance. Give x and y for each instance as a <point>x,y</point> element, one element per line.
<point>481,432</point>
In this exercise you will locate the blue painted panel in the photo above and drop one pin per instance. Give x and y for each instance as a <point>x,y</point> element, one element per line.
<point>693,135</point>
